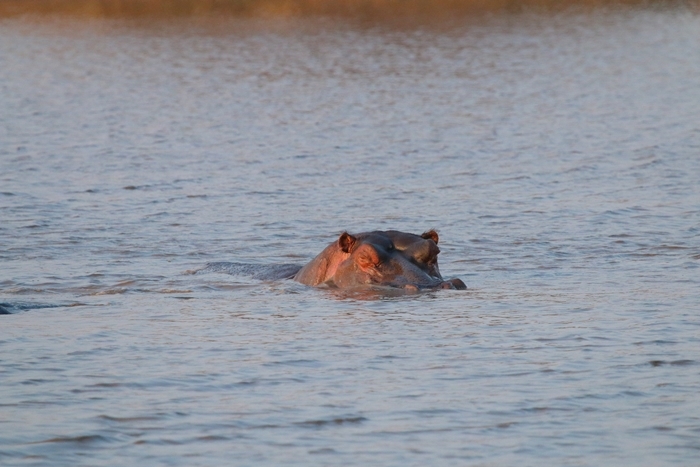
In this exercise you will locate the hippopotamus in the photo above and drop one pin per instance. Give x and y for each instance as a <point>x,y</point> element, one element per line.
<point>379,258</point>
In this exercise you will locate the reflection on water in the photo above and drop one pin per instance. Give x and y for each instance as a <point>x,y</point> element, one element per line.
<point>557,154</point>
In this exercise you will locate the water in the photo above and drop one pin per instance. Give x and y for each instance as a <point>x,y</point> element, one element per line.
<point>558,155</point>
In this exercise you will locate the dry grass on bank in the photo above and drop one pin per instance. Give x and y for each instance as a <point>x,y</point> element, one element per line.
<point>358,8</point>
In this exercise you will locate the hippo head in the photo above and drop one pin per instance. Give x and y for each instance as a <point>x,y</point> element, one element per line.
<point>420,249</point>
<point>393,259</point>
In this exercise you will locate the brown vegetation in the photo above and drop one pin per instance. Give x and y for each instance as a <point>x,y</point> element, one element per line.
<point>356,8</point>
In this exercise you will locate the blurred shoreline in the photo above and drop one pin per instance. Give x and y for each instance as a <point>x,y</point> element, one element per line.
<point>365,9</point>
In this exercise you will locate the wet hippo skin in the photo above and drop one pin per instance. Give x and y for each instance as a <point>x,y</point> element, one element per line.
<point>380,258</point>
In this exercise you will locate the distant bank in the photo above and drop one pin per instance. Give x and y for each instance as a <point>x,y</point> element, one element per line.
<point>353,8</point>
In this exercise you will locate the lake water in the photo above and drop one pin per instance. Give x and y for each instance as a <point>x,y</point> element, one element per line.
<point>558,155</point>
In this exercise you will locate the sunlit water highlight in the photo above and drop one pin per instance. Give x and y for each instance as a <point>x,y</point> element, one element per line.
<point>558,155</point>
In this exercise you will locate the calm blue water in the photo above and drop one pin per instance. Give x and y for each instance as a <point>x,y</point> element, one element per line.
<point>558,155</point>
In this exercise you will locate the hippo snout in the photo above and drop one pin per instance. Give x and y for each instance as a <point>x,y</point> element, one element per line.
<point>457,284</point>
<point>453,284</point>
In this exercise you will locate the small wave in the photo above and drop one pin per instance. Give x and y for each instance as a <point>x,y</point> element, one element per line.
<point>322,451</point>
<point>542,409</point>
<point>161,442</point>
<point>213,438</point>
<point>9,308</point>
<point>31,382</point>
<point>105,385</point>
<point>117,291</point>
<point>671,247</point>
<point>255,271</point>
<point>332,421</point>
<point>128,419</point>
<point>298,362</point>
<point>673,362</point>
<point>656,342</point>
<point>85,439</point>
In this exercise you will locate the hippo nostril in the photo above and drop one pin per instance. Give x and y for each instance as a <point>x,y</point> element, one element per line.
<point>447,285</point>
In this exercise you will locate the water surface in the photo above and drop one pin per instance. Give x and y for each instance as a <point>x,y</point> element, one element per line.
<point>556,153</point>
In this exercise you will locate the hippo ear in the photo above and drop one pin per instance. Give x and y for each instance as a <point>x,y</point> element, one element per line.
<point>367,257</point>
<point>431,235</point>
<point>346,242</point>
